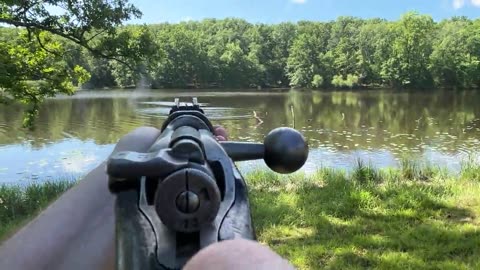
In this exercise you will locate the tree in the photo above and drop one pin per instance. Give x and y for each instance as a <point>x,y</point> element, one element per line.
<point>350,81</point>
<point>308,55</point>
<point>412,46</point>
<point>317,81</point>
<point>30,73</point>
<point>87,23</point>
<point>138,53</point>
<point>90,24</point>
<point>473,46</point>
<point>260,54</point>
<point>344,45</point>
<point>237,67</point>
<point>452,63</point>
<point>375,44</point>
<point>282,38</point>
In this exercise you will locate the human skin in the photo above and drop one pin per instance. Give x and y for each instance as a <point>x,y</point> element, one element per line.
<point>237,254</point>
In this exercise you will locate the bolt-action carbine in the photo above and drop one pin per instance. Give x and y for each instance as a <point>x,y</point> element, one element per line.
<point>186,193</point>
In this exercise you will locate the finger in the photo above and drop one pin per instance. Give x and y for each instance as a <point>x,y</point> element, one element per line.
<point>220,131</point>
<point>237,254</point>
<point>220,138</point>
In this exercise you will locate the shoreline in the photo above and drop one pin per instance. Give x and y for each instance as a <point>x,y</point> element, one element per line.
<point>282,89</point>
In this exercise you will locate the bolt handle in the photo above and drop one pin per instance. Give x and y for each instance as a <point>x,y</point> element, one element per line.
<point>284,150</point>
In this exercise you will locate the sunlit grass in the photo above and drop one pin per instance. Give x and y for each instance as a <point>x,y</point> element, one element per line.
<point>415,217</point>
<point>371,219</point>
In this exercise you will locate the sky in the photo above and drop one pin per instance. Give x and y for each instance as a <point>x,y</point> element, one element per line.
<point>275,11</point>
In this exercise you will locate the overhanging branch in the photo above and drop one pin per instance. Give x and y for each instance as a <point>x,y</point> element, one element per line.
<point>76,40</point>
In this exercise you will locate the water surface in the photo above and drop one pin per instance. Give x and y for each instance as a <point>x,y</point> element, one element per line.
<point>74,134</point>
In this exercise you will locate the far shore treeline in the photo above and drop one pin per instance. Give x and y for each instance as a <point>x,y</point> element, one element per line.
<point>413,52</point>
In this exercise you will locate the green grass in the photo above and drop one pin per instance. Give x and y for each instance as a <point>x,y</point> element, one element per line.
<point>19,204</point>
<point>371,219</point>
<point>414,217</point>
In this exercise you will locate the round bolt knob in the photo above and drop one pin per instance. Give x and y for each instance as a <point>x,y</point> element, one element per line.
<point>188,202</point>
<point>285,150</point>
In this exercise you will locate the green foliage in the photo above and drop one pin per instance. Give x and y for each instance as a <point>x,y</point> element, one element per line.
<point>137,55</point>
<point>344,44</point>
<point>23,61</point>
<point>38,55</point>
<point>18,204</point>
<point>346,53</point>
<point>414,52</point>
<point>350,81</point>
<point>374,40</point>
<point>412,45</point>
<point>317,81</point>
<point>452,62</point>
<point>80,22</point>
<point>308,55</point>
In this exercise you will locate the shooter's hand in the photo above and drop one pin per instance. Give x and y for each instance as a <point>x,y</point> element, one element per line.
<point>220,133</point>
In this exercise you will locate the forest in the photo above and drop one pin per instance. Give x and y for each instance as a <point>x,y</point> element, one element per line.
<point>413,52</point>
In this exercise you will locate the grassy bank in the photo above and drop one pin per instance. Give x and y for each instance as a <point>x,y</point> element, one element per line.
<point>19,204</point>
<point>415,217</point>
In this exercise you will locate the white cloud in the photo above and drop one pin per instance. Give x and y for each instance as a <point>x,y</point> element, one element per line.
<point>457,4</point>
<point>476,3</point>
<point>299,1</point>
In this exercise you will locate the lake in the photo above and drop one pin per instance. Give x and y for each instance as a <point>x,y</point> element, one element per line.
<point>74,134</point>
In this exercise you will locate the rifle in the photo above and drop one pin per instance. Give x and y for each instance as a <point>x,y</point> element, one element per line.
<point>186,192</point>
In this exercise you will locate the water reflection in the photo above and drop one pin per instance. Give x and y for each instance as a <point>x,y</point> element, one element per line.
<point>377,126</point>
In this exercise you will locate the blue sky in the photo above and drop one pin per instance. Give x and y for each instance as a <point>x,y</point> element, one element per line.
<point>274,11</point>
